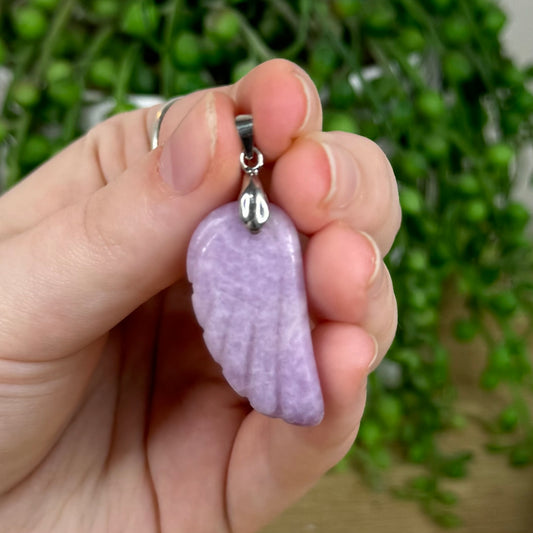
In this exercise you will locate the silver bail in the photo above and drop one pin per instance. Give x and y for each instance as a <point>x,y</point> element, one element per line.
<point>245,128</point>
<point>253,203</point>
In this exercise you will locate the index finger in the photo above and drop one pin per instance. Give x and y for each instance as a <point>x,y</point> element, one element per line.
<point>281,97</point>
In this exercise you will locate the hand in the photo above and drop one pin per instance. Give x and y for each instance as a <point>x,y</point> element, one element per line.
<point>113,417</point>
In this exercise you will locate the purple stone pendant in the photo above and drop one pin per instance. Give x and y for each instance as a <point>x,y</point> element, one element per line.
<point>245,266</point>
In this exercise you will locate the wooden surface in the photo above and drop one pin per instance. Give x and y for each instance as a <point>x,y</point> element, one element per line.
<point>494,499</point>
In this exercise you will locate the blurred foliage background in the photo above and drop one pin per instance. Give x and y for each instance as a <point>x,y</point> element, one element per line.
<point>429,81</point>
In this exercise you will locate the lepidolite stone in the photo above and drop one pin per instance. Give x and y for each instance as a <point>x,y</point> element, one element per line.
<point>249,297</point>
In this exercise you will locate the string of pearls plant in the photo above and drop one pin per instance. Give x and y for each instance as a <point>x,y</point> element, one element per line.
<point>429,81</point>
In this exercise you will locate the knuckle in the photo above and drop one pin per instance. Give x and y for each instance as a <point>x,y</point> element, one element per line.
<point>105,145</point>
<point>389,224</point>
<point>395,210</point>
<point>382,205</point>
<point>103,243</point>
<point>375,161</point>
<point>386,330</point>
<point>382,313</point>
<point>375,152</point>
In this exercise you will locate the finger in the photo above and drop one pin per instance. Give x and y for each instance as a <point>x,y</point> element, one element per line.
<point>76,172</point>
<point>282,111</point>
<point>281,97</point>
<point>274,463</point>
<point>348,282</point>
<point>338,176</point>
<point>37,402</point>
<point>83,269</point>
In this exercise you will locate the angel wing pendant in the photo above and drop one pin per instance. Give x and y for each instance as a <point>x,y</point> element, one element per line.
<point>249,298</point>
<point>245,266</point>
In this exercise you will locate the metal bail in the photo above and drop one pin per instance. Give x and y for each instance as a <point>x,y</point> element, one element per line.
<point>253,203</point>
<point>245,128</point>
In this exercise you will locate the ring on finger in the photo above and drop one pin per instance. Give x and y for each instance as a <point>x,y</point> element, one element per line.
<point>154,140</point>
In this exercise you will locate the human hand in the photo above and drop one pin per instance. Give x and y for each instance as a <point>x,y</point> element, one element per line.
<point>113,416</point>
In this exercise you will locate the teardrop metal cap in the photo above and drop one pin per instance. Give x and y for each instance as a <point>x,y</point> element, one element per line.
<point>253,206</point>
<point>253,203</point>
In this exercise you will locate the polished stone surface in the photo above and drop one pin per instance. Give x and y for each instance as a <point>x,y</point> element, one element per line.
<point>249,297</point>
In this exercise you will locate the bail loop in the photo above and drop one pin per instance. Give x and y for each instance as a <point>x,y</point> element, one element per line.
<point>252,168</point>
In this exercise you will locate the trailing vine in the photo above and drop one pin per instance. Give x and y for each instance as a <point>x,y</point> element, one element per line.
<point>429,81</point>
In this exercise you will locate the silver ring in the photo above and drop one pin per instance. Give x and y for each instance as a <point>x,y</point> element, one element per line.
<point>159,120</point>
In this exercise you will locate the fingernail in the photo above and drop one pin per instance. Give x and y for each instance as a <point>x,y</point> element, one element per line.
<point>308,97</point>
<point>372,365</point>
<point>377,257</point>
<point>187,154</point>
<point>344,174</point>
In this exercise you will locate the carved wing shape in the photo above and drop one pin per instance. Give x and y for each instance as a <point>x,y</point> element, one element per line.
<point>249,297</point>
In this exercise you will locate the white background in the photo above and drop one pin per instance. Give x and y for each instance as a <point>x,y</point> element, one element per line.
<point>519,30</point>
<point>518,40</point>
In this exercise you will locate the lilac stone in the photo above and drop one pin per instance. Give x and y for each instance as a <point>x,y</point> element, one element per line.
<point>249,297</point>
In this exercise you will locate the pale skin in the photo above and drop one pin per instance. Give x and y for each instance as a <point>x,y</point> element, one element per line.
<point>113,417</point>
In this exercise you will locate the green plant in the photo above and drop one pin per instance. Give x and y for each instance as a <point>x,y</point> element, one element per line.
<point>448,106</point>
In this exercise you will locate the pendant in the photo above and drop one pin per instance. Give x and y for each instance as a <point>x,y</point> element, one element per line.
<point>245,266</point>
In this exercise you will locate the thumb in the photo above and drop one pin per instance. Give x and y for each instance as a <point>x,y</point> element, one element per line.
<point>79,272</point>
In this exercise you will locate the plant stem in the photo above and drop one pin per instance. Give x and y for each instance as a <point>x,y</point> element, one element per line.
<point>350,57</point>
<point>419,14</point>
<point>258,46</point>
<point>285,10</point>
<point>413,73</point>
<point>485,54</point>
<point>24,122</point>
<point>21,131</point>
<point>166,66</point>
<point>72,116</point>
<point>124,73</point>
<point>302,31</point>
<point>58,22</point>
<point>22,60</point>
